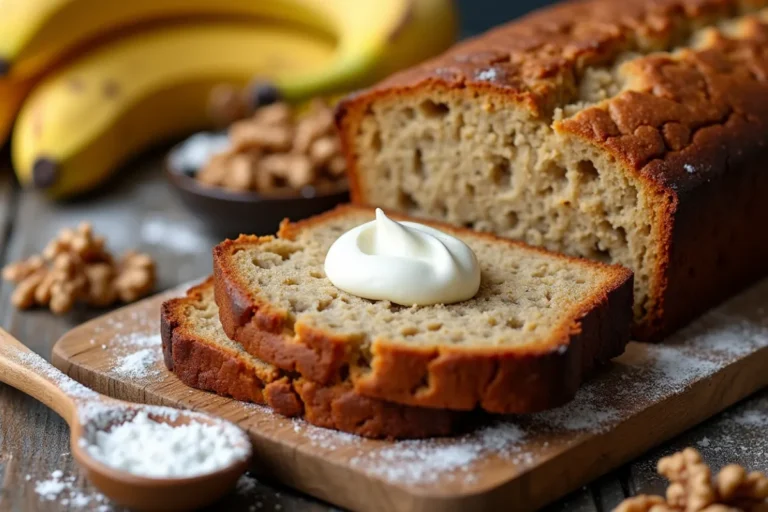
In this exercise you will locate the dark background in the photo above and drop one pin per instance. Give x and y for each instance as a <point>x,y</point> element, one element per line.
<point>480,15</point>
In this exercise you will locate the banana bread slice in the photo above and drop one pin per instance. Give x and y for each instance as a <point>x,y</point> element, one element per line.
<point>538,324</point>
<point>196,349</point>
<point>632,132</point>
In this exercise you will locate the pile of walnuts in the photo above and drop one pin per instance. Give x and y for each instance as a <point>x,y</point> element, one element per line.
<point>76,267</point>
<point>275,148</point>
<point>692,488</point>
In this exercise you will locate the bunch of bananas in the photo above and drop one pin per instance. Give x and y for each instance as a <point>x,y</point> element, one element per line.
<point>90,83</point>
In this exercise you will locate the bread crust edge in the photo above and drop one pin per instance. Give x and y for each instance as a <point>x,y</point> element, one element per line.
<point>201,365</point>
<point>516,380</point>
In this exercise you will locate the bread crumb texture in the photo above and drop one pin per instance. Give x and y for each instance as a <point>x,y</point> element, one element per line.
<point>524,295</point>
<point>198,351</point>
<point>580,128</point>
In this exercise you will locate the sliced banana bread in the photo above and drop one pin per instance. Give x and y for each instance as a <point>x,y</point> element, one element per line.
<point>632,132</point>
<point>200,354</point>
<point>538,324</point>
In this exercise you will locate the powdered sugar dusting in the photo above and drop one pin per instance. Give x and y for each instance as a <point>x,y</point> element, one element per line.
<point>137,340</point>
<point>751,418</point>
<point>135,343</point>
<point>583,413</point>
<point>728,333</point>
<point>669,370</point>
<point>422,461</point>
<point>138,365</point>
<point>428,460</point>
<point>65,491</point>
<point>488,75</point>
<point>138,355</point>
<point>323,438</point>
<point>64,382</point>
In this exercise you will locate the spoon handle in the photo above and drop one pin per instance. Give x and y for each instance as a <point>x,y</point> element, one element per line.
<point>28,372</point>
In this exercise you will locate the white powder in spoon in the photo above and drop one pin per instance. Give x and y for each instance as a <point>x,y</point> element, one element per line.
<point>145,447</point>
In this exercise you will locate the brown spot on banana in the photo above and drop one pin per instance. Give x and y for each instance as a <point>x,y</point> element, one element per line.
<point>76,84</point>
<point>45,172</point>
<point>111,89</point>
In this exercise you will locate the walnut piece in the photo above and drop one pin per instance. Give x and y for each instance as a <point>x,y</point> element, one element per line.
<point>275,148</point>
<point>21,270</point>
<point>101,289</point>
<point>247,135</point>
<point>135,276</point>
<point>75,266</point>
<point>644,503</point>
<point>81,242</point>
<point>692,488</point>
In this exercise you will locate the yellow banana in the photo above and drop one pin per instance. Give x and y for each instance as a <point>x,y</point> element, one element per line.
<point>11,95</point>
<point>375,38</point>
<point>83,121</point>
<point>34,34</point>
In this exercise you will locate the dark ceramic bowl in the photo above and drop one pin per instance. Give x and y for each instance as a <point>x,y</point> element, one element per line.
<point>228,214</point>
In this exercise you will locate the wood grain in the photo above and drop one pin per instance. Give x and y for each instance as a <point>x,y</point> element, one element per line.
<point>647,396</point>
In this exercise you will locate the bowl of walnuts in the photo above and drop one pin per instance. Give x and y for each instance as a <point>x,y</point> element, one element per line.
<point>276,163</point>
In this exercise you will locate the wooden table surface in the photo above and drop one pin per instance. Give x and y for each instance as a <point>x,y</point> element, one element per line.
<point>139,210</point>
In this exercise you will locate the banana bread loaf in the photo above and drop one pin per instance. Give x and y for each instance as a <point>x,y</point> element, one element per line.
<point>200,354</point>
<point>630,131</point>
<point>539,323</point>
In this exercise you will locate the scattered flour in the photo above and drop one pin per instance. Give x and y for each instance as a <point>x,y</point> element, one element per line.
<point>246,485</point>
<point>425,460</point>
<point>670,370</point>
<point>67,384</point>
<point>135,343</point>
<point>51,488</point>
<point>751,418</point>
<point>586,412</point>
<point>138,365</point>
<point>143,446</point>
<point>322,437</point>
<point>138,355</point>
<point>725,335</point>
<point>429,460</point>
<point>66,492</point>
<point>489,75</point>
<point>138,340</point>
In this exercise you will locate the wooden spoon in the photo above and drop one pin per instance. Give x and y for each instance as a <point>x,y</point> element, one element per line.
<point>87,412</point>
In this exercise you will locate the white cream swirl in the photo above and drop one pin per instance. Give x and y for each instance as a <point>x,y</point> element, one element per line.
<point>403,262</point>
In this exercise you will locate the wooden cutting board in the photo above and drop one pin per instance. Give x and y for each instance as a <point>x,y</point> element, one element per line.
<point>646,396</point>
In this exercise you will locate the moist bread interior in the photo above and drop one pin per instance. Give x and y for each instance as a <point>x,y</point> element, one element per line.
<point>204,326</point>
<point>481,161</point>
<point>524,295</point>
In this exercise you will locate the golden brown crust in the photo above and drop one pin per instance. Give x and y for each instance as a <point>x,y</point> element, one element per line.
<point>202,365</point>
<point>501,380</point>
<point>689,123</point>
